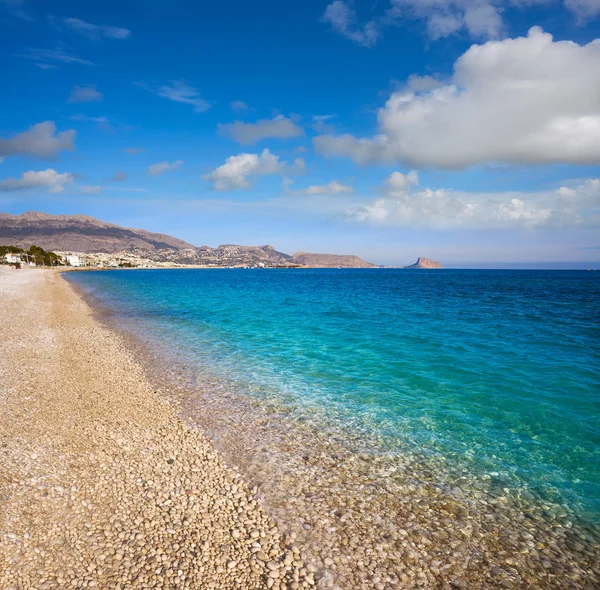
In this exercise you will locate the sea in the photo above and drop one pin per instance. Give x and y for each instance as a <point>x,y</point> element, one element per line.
<point>482,386</point>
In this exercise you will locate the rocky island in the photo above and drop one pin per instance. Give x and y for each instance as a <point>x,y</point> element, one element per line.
<point>424,263</point>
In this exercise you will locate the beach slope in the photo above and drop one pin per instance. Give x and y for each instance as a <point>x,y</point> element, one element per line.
<point>102,484</point>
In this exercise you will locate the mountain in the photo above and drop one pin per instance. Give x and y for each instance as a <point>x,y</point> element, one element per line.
<point>330,261</point>
<point>79,233</point>
<point>83,234</point>
<point>424,263</point>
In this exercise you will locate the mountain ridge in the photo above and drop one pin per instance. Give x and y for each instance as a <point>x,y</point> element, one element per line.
<point>85,234</point>
<point>79,233</point>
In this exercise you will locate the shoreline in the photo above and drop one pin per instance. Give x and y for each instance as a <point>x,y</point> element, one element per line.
<point>364,521</point>
<point>102,484</point>
<point>369,519</point>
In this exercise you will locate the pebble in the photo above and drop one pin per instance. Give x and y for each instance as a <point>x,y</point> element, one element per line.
<point>128,495</point>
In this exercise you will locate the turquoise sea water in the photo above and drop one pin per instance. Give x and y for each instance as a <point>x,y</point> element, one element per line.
<point>498,371</point>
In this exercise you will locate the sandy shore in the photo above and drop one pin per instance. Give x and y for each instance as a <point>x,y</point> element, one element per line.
<point>102,485</point>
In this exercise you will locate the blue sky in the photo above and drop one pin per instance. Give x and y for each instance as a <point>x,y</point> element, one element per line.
<point>463,130</point>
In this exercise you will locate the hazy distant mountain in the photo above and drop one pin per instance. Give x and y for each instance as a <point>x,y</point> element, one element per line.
<point>330,260</point>
<point>79,233</point>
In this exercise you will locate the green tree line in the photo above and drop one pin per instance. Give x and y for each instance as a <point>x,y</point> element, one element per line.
<point>35,254</point>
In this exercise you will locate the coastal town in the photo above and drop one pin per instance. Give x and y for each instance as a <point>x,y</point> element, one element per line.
<point>231,258</point>
<point>228,256</point>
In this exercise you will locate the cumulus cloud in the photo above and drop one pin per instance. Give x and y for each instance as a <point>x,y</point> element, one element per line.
<point>248,133</point>
<point>529,100</point>
<point>96,31</point>
<point>399,185</point>
<point>233,175</point>
<point>53,55</point>
<point>480,19</point>
<point>332,188</point>
<point>48,179</point>
<point>179,91</point>
<point>86,93</point>
<point>40,141</point>
<point>162,167</point>
<point>343,20</point>
<point>446,208</point>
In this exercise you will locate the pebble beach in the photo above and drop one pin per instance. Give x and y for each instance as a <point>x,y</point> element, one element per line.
<point>102,485</point>
<point>118,471</point>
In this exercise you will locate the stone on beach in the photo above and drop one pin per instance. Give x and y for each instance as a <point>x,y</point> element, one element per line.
<point>102,484</point>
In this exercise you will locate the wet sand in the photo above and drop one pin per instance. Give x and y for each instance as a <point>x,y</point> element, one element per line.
<point>102,484</point>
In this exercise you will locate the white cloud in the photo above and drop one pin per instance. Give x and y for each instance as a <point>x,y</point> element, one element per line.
<point>584,9</point>
<point>480,19</point>
<point>179,91</point>
<point>239,106</point>
<point>162,167</point>
<point>450,209</point>
<point>332,188</point>
<point>48,179</point>
<point>233,175</point>
<point>248,133</point>
<point>343,20</point>
<point>132,151</point>
<point>96,31</point>
<point>528,100</point>
<point>90,190</point>
<point>398,184</point>
<point>86,93</point>
<point>47,66</point>
<point>40,141</point>
<point>299,165</point>
<point>53,55</point>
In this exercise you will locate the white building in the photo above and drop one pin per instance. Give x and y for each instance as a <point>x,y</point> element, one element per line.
<point>12,258</point>
<point>75,260</point>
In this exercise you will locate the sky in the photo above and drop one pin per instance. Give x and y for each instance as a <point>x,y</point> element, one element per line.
<point>466,131</point>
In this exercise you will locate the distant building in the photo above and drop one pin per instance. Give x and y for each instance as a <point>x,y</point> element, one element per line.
<point>12,258</point>
<point>75,260</point>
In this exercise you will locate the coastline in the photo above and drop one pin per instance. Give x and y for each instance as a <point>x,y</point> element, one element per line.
<point>363,520</point>
<point>102,484</point>
<point>368,518</point>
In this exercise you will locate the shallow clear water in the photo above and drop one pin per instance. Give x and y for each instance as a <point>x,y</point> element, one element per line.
<point>498,371</point>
